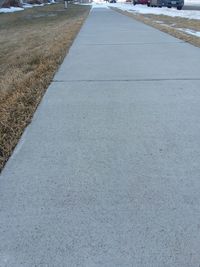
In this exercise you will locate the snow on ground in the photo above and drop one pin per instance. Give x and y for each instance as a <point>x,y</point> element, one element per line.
<point>99,5</point>
<point>190,14</point>
<point>15,9</point>
<point>142,9</point>
<point>192,32</point>
<point>156,11</point>
<point>11,9</point>
<point>26,5</point>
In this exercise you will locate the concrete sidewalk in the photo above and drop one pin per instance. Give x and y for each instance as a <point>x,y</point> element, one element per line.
<point>107,174</point>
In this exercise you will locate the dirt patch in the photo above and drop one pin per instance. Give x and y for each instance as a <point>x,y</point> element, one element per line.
<point>171,25</point>
<point>31,51</point>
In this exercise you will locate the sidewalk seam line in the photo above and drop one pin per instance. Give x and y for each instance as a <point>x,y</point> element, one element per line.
<point>127,80</point>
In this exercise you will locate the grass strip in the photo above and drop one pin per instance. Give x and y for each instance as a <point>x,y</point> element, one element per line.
<point>33,43</point>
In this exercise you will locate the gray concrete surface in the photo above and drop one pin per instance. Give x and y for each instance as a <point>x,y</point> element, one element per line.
<point>107,174</point>
<point>195,6</point>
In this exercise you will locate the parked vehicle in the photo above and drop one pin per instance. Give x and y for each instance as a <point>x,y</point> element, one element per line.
<point>141,2</point>
<point>174,3</point>
<point>168,3</point>
<point>156,3</point>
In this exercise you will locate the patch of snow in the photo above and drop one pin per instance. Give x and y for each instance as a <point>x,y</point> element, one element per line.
<point>159,21</point>
<point>172,12</point>
<point>11,9</point>
<point>189,31</point>
<point>83,4</point>
<point>25,5</point>
<point>99,5</point>
<point>38,5</point>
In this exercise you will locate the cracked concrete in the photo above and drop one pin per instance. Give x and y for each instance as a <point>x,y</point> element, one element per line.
<point>107,174</point>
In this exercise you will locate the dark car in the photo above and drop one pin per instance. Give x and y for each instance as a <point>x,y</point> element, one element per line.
<point>174,3</point>
<point>141,2</point>
<point>168,3</point>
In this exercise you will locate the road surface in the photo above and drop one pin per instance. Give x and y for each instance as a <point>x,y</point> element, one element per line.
<point>191,7</point>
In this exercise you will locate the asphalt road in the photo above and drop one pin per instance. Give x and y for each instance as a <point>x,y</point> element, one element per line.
<point>191,7</point>
<point>107,174</point>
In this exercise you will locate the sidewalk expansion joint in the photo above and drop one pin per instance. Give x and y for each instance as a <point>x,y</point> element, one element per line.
<point>126,80</point>
<point>139,43</point>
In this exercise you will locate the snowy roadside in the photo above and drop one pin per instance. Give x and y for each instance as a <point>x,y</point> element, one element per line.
<point>143,9</point>
<point>158,16</point>
<point>11,9</point>
<point>193,32</point>
<point>187,29</point>
<point>158,13</point>
<point>16,9</point>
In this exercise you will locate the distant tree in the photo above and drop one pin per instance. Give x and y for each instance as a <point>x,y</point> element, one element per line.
<point>9,3</point>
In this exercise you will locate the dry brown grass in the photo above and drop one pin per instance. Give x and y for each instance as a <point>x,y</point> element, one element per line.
<point>169,25</point>
<point>33,43</point>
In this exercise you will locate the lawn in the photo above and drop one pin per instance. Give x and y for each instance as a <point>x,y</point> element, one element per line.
<point>33,44</point>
